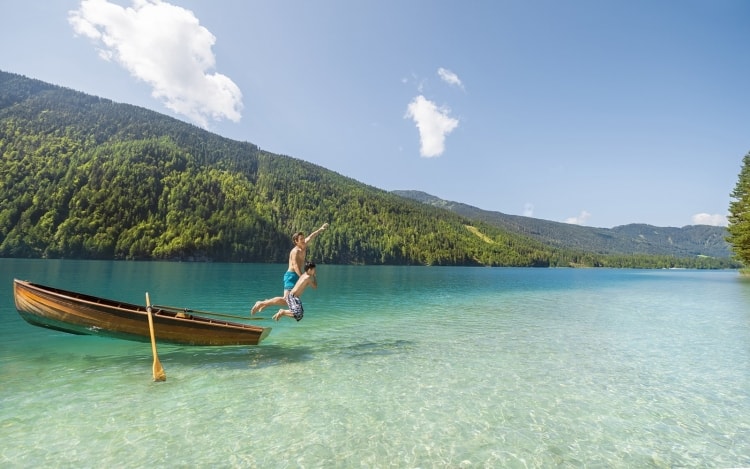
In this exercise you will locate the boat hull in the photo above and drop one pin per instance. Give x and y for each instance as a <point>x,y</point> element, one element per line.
<point>78,313</point>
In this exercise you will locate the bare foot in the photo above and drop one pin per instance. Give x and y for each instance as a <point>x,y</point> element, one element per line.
<point>257,308</point>
<point>278,315</point>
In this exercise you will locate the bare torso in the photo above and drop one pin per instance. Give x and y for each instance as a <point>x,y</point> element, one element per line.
<point>296,260</point>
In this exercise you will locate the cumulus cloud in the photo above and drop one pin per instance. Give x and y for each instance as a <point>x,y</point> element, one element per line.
<point>449,77</point>
<point>708,219</point>
<point>433,123</point>
<point>581,219</point>
<point>165,46</point>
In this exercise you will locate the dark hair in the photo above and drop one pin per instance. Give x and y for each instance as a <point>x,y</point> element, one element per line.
<point>309,265</point>
<point>297,235</point>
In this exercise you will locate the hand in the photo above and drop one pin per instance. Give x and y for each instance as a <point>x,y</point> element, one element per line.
<point>323,228</point>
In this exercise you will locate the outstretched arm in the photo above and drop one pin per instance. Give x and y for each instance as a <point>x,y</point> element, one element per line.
<point>316,232</point>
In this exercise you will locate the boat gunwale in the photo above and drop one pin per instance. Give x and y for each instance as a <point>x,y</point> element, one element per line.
<point>96,302</point>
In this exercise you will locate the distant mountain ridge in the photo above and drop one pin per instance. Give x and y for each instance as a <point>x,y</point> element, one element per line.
<point>691,240</point>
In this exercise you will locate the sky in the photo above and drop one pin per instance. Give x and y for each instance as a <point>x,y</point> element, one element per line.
<point>593,112</point>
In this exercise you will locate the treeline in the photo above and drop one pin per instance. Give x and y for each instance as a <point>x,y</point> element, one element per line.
<point>151,199</point>
<point>85,178</point>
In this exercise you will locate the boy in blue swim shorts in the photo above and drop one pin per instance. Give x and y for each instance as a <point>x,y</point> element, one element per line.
<point>290,279</point>
<point>292,299</point>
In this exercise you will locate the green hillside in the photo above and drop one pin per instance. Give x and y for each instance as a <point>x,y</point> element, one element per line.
<point>84,177</point>
<point>692,240</point>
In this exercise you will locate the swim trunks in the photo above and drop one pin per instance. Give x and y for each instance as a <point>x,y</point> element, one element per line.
<point>290,278</point>
<point>295,306</point>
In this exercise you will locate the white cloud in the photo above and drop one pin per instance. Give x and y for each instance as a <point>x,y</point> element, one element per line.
<point>708,219</point>
<point>581,219</point>
<point>528,209</point>
<point>165,46</point>
<point>434,124</point>
<point>449,77</point>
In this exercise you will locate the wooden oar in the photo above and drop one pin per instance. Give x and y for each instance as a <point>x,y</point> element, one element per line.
<point>159,374</point>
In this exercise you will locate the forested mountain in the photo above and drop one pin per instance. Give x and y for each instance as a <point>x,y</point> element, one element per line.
<point>84,177</point>
<point>692,240</point>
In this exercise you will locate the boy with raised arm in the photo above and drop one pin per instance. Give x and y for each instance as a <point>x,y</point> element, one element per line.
<point>292,299</point>
<point>295,270</point>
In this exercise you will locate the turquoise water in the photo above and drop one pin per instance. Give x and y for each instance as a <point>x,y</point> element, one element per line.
<point>391,367</point>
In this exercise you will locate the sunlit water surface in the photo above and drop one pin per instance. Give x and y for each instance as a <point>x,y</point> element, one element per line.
<point>391,367</point>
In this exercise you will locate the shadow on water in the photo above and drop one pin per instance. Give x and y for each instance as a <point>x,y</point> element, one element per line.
<point>209,357</point>
<point>243,357</point>
<point>370,348</point>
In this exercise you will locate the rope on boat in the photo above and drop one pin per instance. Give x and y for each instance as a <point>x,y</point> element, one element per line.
<point>206,313</point>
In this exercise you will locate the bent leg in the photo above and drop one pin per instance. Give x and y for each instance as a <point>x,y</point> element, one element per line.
<point>261,305</point>
<point>282,312</point>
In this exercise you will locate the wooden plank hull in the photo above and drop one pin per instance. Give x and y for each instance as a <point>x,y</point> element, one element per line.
<point>78,313</point>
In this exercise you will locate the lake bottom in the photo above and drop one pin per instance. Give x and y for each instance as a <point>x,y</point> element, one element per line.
<point>405,367</point>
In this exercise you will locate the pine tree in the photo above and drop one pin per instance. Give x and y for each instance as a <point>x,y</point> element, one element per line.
<point>739,215</point>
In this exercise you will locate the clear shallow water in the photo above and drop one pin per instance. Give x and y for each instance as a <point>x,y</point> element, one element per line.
<point>391,367</point>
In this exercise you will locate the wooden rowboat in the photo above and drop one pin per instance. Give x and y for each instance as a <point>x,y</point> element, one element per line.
<point>78,313</point>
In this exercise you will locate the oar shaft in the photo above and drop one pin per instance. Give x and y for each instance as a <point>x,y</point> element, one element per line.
<point>158,370</point>
<point>204,313</point>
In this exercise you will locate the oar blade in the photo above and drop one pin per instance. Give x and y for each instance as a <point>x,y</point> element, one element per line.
<point>159,374</point>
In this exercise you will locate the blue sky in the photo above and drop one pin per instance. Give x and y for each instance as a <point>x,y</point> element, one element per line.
<point>595,112</point>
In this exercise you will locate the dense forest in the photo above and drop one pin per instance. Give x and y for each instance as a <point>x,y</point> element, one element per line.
<point>86,178</point>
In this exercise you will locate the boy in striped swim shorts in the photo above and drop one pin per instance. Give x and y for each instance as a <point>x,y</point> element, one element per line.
<point>292,299</point>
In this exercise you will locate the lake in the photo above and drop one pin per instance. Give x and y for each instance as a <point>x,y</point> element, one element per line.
<point>390,367</point>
